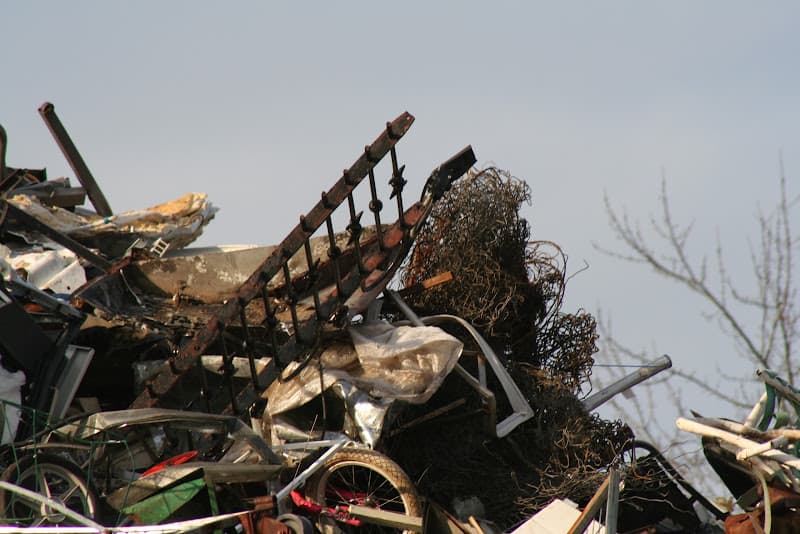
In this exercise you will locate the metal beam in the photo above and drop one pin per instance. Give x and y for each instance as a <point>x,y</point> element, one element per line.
<point>82,172</point>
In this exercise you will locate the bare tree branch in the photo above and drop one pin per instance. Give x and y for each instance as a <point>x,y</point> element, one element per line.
<point>764,339</point>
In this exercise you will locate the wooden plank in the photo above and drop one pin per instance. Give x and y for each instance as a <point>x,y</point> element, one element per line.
<point>386,518</point>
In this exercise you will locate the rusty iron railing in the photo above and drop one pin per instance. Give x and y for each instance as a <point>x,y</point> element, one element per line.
<point>331,291</point>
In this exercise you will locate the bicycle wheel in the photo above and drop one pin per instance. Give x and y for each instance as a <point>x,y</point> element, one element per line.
<point>366,478</point>
<point>50,476</point>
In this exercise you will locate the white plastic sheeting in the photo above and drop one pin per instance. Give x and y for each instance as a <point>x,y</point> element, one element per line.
<point>387,362</point>
<point>556,518</point>
<point>10,398</point>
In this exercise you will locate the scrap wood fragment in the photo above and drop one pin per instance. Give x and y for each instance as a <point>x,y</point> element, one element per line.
<point>792,434</point>
<point>428,283</point>
<point>376,516</point>
<point>592,508</point>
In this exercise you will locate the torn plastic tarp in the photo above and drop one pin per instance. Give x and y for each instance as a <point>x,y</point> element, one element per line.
<point>10,399</point>
<point>6,270</point>
<point>178,222</point>
<point>383,364</point>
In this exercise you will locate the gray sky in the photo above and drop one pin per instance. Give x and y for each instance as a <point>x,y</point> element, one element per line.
<point>262,104</point>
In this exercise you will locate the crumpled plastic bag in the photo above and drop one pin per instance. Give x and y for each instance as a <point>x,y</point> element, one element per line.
<point>406,363</point>
<point>10,395</point>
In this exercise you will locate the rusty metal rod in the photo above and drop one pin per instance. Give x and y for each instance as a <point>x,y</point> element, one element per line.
<point>313,276</point>
<point>82,172</point>
<point>291,299</point>
<point>397,182</point>
<point>270,321</point>
<point>355,229</point>
<point>247,345</point>
<point>375,206</point>
<point>228,371</point>
<point>334,252</point>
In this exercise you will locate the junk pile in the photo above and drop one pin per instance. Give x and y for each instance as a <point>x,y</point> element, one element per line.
<point>757,459</point>
<point>476,233</point>
<point>289,388</point>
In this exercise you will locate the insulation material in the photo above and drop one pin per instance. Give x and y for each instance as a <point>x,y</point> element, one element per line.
<point>178,222</point>
<point>404,363</point>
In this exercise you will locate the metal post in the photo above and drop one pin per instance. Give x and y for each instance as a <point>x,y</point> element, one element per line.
<point>405,308</point>
<point>82,172</point>
<point>640,375</point>
<point>612,501</point>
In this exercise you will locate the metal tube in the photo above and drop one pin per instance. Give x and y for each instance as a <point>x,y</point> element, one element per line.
<point>248,348</point>
<point>640,375</point>
<point>612,501</point>
<point>82,172</point>
<point>405,308</point>
<point>300,479</point>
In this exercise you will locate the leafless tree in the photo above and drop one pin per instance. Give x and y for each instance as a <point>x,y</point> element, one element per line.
<point>760,316</point>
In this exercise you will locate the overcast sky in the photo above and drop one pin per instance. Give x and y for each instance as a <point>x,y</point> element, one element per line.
<point>262,104</point>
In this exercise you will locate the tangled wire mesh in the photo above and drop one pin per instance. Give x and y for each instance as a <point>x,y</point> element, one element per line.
<point>512,290</point>
<point>509,287</point>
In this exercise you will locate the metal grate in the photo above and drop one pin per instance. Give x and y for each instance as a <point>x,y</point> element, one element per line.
<point>326,293</point>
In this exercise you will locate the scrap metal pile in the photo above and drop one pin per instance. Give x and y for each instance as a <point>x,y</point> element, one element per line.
<point>757,459</point>
<point>289,388</point>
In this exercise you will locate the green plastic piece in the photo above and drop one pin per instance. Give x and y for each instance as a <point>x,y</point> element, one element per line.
<point>769,409</point>
<point>156,508</point>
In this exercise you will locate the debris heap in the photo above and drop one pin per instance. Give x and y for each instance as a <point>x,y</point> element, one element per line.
<point>512,289</point>
<point>288,387</point>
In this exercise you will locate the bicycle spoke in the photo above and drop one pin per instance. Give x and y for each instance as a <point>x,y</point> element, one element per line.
<point>71,489</point>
